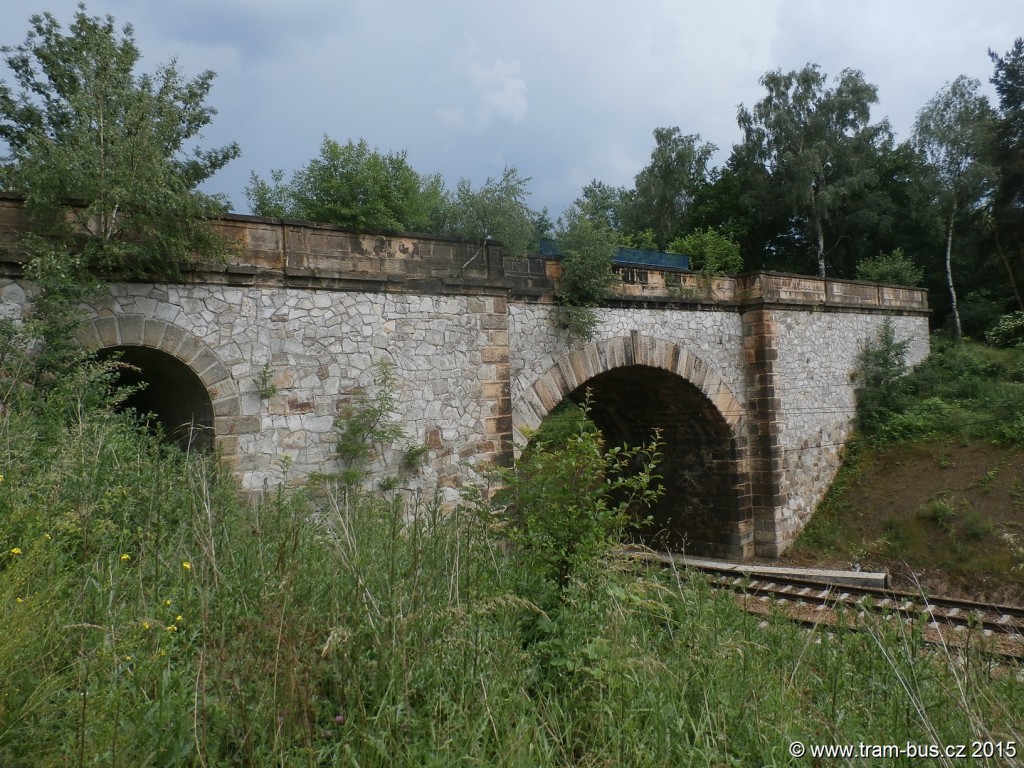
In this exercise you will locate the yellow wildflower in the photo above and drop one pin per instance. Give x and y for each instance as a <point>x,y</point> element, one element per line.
<point>167,601</point>
<point>47,536</point>
<point>172,628</point>
<point>186,565</point>
<point>178,619</point>
<point>18,600</point>
<point>1,478</point>
<point>145,625</point>
<point>15,550</point>
<point>125,558</point>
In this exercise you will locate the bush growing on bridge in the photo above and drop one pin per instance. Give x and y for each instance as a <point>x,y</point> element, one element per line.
<point>894,268</point>
<point>587,275</point>
<point>84,127</point>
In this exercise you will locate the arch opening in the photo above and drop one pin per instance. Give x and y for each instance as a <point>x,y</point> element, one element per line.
<point>171,393</point>
<point>699,507</point>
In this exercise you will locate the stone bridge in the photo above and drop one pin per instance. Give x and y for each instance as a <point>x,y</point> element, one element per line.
<point>748,378</point>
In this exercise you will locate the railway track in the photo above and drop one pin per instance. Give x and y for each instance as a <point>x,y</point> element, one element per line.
<point>948,622</point>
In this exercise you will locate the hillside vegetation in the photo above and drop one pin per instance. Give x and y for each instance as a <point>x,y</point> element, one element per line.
<point>152,616</point>
<point>933,488</point>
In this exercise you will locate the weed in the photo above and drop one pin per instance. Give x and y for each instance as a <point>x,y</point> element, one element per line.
<point>365,425</point>
<point>976,527</point>
<point>265,382</point>
<point>940,512</point>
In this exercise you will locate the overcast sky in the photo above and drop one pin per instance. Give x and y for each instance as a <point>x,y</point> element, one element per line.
<point>565,90</point>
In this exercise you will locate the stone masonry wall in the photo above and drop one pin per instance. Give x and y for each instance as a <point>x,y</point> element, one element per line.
<point>450,358</point>
<point>536,345</point>
<point>814,384</point>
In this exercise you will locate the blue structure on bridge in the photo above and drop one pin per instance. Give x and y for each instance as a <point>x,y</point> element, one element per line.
<point>628,257</point>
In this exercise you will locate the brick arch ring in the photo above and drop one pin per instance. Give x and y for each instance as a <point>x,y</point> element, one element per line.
<point>579,367</point>
<point>142,331</point>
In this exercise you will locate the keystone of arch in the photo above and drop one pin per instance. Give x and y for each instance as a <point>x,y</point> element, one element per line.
<point>142,331</point>
<point>577,368</point>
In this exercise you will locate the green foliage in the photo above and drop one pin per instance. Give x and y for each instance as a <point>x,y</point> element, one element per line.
<point>711,253</point>
<point>153,616</point>
<point>666,188</point>
<point>1007,208</point>
<point>952,134</point>
<point>881,365</point>
<point>352,186</point>
<point>497,211</point>
<point>566,421</point>
<point>587,275</point>
<point>962,390</point>
<point>365,426</point>
<point>812,151</point>
<point>894,268</point>
<point>568,501</point>
<point>83,127</point>
<point>265,382</point>
<point>1008,332</point>
<point>643,240</point>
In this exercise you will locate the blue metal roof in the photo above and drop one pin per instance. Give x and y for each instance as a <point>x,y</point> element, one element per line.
<point>633,257</point>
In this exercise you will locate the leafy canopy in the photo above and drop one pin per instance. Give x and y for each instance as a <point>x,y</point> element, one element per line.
<point>587,277</point>
<point>496,211</point>
<point>816,146</point>
<point>711,252</point>
<point>667,186</point>
<point>81,126</point>
<point>952,134</point>
<point>353,186</point>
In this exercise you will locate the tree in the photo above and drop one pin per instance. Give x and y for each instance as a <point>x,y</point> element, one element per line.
<point>666,188</point>
<point>711,252</point>
<point>587,276</point>
<point>952,134</point>
<point>82,127</point>
<point>495,212</point>
<point>352,186</point>
<point>603,204</point>
<point>1008,156</point>
<point>816,146</point>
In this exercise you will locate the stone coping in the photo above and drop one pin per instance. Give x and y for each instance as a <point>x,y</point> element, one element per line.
<point>282,252</point>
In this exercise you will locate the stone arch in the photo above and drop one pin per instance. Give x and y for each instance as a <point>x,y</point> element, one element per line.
<point>582,365</point>
<point>189,362</point>
<point>706,508</point>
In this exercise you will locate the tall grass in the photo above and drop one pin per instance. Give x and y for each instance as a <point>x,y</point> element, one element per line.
<point>149,615</point>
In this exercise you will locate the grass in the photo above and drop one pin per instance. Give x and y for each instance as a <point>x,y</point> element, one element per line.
<point>153,617</point>
<point>931,486</point>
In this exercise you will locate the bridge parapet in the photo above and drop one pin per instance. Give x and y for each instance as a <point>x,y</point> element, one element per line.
<point>300,254</point>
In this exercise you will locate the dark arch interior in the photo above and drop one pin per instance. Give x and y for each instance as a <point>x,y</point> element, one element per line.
<point>698,510</point>
<point>173,395</point>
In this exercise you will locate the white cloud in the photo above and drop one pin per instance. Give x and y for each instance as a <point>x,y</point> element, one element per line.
<point>500,94</point>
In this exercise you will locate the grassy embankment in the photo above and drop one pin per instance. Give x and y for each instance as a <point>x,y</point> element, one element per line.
<point>151,616</point>
<point>934,487</point>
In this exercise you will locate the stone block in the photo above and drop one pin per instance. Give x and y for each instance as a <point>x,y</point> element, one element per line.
<point>131,329</point>
<point>107,330</point>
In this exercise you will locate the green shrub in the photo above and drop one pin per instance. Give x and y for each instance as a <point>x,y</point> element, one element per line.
<point>587,275</point>
<point>1008,332</point>
<point>881,365</point>
<point>711,253</point>
<point>894,268</point>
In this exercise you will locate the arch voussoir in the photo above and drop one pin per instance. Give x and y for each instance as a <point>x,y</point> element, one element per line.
<point>574,370</point>
<point>135,330</point>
